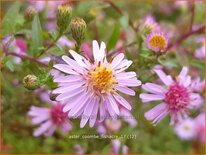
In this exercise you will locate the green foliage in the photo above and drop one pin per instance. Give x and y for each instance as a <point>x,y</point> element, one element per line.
<point>12,19</point>
<point>114,37</point>
<point>36,36</point>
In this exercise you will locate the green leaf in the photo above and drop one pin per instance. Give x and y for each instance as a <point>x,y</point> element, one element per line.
<point>114,37</point>
<point>8,63</point>
<point>36,36</point>
<point>12,19</point>
<point>170,63</point>
<point>124,21</point>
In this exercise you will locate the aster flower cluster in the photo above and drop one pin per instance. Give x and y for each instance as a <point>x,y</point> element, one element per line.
<point>73,77</point>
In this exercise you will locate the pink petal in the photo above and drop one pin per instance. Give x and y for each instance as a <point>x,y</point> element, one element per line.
<point>65,68</point>
<point>157,113</point>
<point>125,90</point>
<point>126,75</point>
<point>43,128</point>
<point>68,78</point>
<point>50,131</point>
<point>129,82</point>
<point>66,126</point>
<point>69,94</point>
<point>79,106</point>
<point>167,81</point>
<point>151,97</point>
<point>116,61</point>
<point>73,64</point>
<point>73,101</point>
<point>87,113</point>
<point>79,59</point>
<point>123,66</point>
<point>92,119</point>
<point>154,88</point>
<point>102,111</point>
<point>113,104</point>
<point>122,101</point>
<point>183,74</point>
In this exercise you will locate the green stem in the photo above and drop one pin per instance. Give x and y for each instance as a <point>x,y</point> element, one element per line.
<point>52,44</point>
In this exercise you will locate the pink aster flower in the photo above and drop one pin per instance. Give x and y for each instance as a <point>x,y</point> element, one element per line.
<point>117,149</point>
<point>185,129</point>
<point>197,85</point>
<point>150,24</point>
<point>177,97</point>
<point>200,127</point>
<point>200,52</point>
<point>49,119</point>
<point>157,41</point>
<point>92,85</point>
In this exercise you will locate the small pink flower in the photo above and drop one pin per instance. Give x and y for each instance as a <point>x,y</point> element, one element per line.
<point>64,41</point>
<point>197,85</point>
<point>185,129</point>
<point>200,127</point>
<point>49,119</point>
<point>157,41</point>
<point>89,87</point>
<point>177,97</point>
<point>117,149</point>
<point>149,23</point>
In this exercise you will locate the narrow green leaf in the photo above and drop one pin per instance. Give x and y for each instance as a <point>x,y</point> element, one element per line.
<point>114,37</point>
<point>124,21</point>
<point>11,19</point>
<point>36,36</point>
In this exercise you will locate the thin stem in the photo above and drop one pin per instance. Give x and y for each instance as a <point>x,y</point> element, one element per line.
<point>25,57</point>
<point>115,7</point>
<point>185,36</point>
<point>122,48</point>
<point>192,9</point>
<point>50,45</point>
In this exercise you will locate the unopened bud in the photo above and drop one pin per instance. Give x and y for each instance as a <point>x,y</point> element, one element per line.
<point>29,13</point>
<point>31,82</point>
<point>78,29</point>
<point>63,16</point>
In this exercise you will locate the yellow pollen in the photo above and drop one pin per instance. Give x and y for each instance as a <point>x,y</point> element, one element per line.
<point>102,79</point>
<point>158,41</point>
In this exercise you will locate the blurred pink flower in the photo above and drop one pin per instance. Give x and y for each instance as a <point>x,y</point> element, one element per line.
<point>200,52</point>
<point>185,129</point>
<point>197,85</point>
<point>190,128</point>
<point>177,97</point>
<point>79,149</point>
<point>17,45</point>
<point>149,23</point>
<point>90,86</point>
<point>200,127</point>
<point>49,119</point>
<point>113,125</point>
<point>157,41</point>
<point>86,47</point>
<point>64,41</point>
<point>116,147</point>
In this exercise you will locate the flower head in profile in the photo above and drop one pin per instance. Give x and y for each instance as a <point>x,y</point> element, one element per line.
<point>90,87</point>
<point>49,119</point>
<point>149,24</point>
<point>157,41</point>
<point>176,97</point>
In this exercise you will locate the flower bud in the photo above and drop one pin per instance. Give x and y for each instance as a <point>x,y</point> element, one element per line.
<point>63,16</point>
<point>31,82</point>
<point>78,29</point>
<point>29,13</point>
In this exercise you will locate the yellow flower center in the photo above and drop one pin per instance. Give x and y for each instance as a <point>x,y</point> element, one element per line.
<point>158,41</point>
<point>101,78</point>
